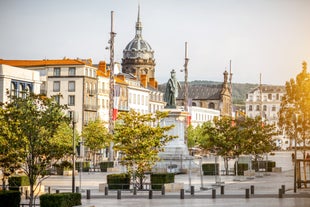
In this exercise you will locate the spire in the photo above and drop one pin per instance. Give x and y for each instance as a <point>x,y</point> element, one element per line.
<point>138,24</point>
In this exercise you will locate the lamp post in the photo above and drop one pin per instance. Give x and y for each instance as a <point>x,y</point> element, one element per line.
<point>295,150</point>
<point>74,119</point>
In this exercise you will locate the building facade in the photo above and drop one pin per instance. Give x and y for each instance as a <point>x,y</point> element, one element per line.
<point>265,101</point>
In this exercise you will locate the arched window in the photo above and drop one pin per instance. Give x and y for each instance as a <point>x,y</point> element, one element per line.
<point>13,89</point>
<point>211,105</point>
<point>194,104</point>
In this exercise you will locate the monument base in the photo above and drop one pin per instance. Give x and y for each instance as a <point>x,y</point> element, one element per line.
<point>175,158</point>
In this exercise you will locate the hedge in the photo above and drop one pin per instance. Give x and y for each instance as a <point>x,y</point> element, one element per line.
<point>18,180</point>
<point>118,181</point>
<point>256,165</point>
<point>60,200</point>
<point>158,179</point>
<point>105,165</point>
<point>85,166</point>
<point>210,168</point>
<point>9,198</point>
<point>241,168</point>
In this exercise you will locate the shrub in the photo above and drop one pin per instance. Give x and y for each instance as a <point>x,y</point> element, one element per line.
<point>64,165</point>
<point>85,166</point>
<point>60,200</point>
<point>158,179</point>
<point>9,198</point>
<point>256,165</point>
<point>241,168</point>
<point>118,181</point>
<point>105,165</point>
<point>18,180</point>
<point>210,168</point>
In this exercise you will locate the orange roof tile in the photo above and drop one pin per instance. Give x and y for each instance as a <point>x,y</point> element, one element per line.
<point>38,63</point>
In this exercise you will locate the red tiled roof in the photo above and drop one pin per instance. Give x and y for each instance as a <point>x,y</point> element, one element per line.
<point>38,63</point>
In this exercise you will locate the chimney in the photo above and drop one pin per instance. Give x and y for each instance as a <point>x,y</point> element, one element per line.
<point>143,80</point>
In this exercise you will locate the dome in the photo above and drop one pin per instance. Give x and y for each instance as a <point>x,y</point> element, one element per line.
<point>138,48</point>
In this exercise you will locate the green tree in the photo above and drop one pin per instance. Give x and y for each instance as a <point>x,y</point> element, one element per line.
<point>230,138</point>
<point>34,124</point>
<point>140,137</point>
<point>96,136</point>
<point>295,111</point>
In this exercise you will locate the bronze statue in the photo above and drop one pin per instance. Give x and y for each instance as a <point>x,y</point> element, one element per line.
<point>172,89</point>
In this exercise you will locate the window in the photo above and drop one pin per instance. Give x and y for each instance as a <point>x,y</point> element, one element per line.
<point>57,99</point>
<point>265,108</point>
<point>211,105</point>
<point>71,100</point>
<point>269,96</point>
<point>56,71</point>
<point>257,108</point>
<point>56,86</point>
<point>273,108</point>
<point>72,71</point>
<point>71,86</point>
<point>250,108</point>
<point>277,96</point>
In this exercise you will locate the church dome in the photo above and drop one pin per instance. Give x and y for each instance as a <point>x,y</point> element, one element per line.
<point>138,48</point>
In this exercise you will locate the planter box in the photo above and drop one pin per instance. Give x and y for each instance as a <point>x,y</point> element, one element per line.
<point>69,172</point>
<point>277,169</point>
<point>173,187</point>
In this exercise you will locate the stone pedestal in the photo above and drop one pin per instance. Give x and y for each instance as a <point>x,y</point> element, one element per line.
<point>175,157</point>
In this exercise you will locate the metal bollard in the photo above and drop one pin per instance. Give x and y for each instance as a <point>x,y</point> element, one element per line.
<point>283,189</point>
<point>106,191</point>
<point>150,194</point>
<point>27,194</point>
<point>182,194</point>
<point>252,189</point>
<point>280,193</point>
<point>57,191</point>
<point>222,189</point>
<point>192,190</point>
<point>247,193</point>
<point>119,194</point>
<point>163,190</point>
<point>213,193</point>
<point>49,190</point>
<point>134,190</point>
<point>87,194</point>
<point>77,189</point>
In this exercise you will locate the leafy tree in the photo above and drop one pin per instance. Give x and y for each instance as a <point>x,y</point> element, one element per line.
<point>34,125</point>
<point>295,110</point>
<point>96,136</point>
<point>231,138</point>
<point>140,137</point>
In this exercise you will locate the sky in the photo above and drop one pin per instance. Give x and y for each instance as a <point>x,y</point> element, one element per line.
<point>267,37</point>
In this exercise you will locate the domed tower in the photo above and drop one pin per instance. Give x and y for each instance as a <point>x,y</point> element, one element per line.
<point>138,56</point>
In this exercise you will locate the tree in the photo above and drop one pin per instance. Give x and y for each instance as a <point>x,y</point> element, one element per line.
<point>96,136</point>
<point>139,137</point>
<point>295,111</point>
<point>231,138</point>
<point>34,126</point>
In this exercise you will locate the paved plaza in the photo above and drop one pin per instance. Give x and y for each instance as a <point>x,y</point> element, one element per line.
<point>265,189</point>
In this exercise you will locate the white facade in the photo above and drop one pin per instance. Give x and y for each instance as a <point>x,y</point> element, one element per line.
<point>103,98</point>
<point>16,80</point>
<point>265,101</point>
<point>138,97</point>
<point>156,102</point>
<point>200,115</point>
<point>75,86</point>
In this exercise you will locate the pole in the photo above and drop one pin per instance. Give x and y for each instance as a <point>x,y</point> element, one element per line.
<point>73,155</point>
<point>111,97</point>
<point>295,152</point>
<point>186,80</point>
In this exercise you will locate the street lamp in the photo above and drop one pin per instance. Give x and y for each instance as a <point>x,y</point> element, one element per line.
<point>295,150</point>
<point>73,115</point>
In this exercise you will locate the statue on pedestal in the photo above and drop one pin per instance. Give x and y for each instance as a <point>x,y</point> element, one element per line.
<point>172,90</point>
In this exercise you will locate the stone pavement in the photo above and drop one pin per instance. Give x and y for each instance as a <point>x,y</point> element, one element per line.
<point>266,189</point>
